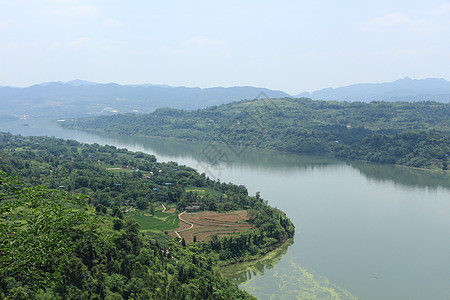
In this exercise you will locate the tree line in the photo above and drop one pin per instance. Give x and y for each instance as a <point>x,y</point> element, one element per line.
<point>415,134</point>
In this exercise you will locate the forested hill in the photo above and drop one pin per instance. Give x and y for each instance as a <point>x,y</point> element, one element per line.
<point>414,134</point>
<point>86,222</point>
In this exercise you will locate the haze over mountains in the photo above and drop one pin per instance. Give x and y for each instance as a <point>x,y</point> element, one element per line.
<point>406,89</point>
<point>80,98</point>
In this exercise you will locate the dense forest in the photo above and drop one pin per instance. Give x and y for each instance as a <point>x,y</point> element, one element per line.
<point>413,134</point>
<point>66,232</point>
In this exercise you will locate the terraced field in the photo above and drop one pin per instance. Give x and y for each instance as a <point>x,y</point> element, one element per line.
<point>207,223</point>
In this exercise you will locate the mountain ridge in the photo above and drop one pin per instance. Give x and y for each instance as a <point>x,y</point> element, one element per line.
<point>78,97</point>
<point>405,89</point>
<point>81,98</point>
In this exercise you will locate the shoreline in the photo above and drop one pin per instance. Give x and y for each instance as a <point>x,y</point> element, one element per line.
<point>325,155</point>
<point>265,256</point>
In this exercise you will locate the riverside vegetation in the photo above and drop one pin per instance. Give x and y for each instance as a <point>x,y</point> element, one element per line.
<point>415,134</point>
<point>68,232</point>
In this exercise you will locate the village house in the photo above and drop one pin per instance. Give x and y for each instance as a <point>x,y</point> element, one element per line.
<point>192,208</point>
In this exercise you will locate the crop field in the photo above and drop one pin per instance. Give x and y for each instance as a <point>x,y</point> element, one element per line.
<point>158,222</point>
<point>202,192</point>
<point>195,190</point>
<point>207,223</point>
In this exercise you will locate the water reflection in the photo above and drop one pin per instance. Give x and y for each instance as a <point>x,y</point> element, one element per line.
<point>401,175</point>
<point>250,157</point>
<point>285,162</point>
<point>166,149</point>
<point>358,220</point>
<point>277,161</point>
<point>239,273</point>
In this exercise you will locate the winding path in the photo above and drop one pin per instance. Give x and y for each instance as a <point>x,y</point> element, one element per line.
<point>184,221</point>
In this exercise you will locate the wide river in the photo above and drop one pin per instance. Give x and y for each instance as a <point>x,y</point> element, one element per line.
<point>363,230</point>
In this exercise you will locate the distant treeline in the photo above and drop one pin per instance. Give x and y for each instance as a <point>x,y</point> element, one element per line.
<point>64,234</point>
<point>413,134</point>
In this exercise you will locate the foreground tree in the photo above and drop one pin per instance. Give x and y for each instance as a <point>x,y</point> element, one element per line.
<point>38,227</point>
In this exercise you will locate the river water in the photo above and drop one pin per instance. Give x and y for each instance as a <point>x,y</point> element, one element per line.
<point>363,230</point>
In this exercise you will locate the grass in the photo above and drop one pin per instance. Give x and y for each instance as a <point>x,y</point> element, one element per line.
<point>159,237</point>
<point>201,192</point>
<point>195,190</point>
<point>116,169</point>
<point>158,222</point>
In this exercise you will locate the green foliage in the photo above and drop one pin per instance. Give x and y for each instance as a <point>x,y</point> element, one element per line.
<point>411,148</point>
<point>159,221</point>
<point>302,125</point>
<point>50,245</point>
<point>53,246</point>
<point>141,203</point>
<point>39,226</point>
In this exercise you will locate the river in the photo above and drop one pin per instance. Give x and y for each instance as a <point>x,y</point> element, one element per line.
<point>363,230</point>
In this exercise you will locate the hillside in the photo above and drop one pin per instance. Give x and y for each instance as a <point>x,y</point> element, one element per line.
<point>406,89</point>
<point>413,134</point>
<point>82,98</point>
<point>86,222</point>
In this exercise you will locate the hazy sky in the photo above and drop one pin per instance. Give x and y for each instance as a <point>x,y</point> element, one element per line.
<point>293,46</point>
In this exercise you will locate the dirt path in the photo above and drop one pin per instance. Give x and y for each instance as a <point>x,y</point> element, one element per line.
<point>208,223</point>
<point>184,221</point>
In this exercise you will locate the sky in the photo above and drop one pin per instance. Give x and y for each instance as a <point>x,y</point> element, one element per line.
<point>293,46</point>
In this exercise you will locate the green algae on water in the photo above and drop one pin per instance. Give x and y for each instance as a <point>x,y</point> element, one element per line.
<point>284,279</point>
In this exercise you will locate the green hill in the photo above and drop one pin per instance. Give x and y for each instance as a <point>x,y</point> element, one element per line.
<point>83,221</point>
<point>413,134</point>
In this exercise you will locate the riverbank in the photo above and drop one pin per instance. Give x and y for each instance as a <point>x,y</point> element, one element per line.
<point>390,133</point>
<point>269,259</point>
<point>338,204</point>
<point>354,152</point>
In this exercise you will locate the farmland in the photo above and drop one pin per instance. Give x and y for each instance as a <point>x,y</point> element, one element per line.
<point>207,223</point>
<point>160,221</point>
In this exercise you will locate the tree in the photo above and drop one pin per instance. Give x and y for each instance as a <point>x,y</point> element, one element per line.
<point>117,212</point>
<point>141,203</point>
<point>38,228</point>
<point>117,224</point>
<point>152,209</point>
<point>101,209</point>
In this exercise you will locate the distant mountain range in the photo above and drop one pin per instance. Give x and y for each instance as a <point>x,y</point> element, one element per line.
<point>80,98</point>
<point>406,89</point>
